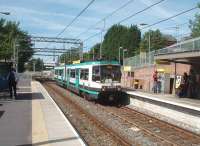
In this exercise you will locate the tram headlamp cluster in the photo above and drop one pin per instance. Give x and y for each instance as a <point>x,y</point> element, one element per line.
<point>105,88</point>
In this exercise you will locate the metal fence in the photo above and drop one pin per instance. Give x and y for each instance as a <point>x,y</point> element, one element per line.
<point>185,46</point>
<point>146,59</point>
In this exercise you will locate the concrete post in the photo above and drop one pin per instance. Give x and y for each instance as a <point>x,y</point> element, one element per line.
<point>174,78</point>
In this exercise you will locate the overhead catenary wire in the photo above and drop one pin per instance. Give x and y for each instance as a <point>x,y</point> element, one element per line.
<point>148,7</point>
<point>80,13</point>
<point>183,12</point>
<point>106,17</point>
<point>75,18</point>
<point>175,26</point>
<point>140,11</point>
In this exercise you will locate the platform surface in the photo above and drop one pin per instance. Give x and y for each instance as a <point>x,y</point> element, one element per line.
<point>34,119</point>
<point>193,104</point>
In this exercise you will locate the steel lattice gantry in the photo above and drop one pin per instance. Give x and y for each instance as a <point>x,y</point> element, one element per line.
<point>55,51</point>
<point>56,40</point>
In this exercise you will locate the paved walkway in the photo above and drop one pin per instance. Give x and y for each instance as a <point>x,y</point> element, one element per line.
<point>34,119</point>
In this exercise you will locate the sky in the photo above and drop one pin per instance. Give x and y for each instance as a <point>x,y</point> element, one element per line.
<point>48,17</point>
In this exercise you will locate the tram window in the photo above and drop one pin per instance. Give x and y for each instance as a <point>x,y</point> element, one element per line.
<point>56,72</point>
<point>72,73</point>
<point>96,73</point>
<point>84,74</point>
<point>61,72</point>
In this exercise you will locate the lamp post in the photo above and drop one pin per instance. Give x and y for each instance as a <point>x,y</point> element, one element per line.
<point>149,46</point>
<point>149,40</point>
<point>124,50</point>
<point>101,29</point>
<point>120,54</point>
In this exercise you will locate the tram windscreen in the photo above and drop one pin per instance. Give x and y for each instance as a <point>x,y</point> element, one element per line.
<point>106,73</point>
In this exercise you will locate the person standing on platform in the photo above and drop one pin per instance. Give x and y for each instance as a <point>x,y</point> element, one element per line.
<point>155,82</point>
<point>185,84</point>
<point>192,84</point>
<point>159,84</point>
<point>12,82</point>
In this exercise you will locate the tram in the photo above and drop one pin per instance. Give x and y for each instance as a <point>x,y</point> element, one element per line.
<point>94,80</point>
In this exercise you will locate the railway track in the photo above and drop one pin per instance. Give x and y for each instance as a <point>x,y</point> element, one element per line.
<point>162,131</point>
<point>138,128</point>
<point>118,140</point>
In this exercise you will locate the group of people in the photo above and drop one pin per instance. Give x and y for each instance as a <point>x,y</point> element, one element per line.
<point>187,87</point>
<point>156,83</point>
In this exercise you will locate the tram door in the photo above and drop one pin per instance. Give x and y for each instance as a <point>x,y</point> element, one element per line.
<point>67,76</point>
<point>77,77</point>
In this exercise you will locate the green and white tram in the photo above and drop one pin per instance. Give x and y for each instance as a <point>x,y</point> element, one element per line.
<point>97,80</point>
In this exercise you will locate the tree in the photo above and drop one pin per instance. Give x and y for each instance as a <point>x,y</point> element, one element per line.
<point>120,36</point>
<point>195,25</point>
<point>95,50</point>
<point>38,64</point>
<point>86,56</point>
<point>70,56</point>
<point>13,39</point>
<point>157,41</point>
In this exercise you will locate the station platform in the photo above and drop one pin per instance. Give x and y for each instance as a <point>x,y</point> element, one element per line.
<point>182,112</point>
<point>33,118</point>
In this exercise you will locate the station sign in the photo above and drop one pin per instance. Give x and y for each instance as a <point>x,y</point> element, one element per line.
<point>127,68</point>
<point>76,62</point>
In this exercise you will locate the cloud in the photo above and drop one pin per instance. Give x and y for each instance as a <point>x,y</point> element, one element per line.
<point>48,20</point>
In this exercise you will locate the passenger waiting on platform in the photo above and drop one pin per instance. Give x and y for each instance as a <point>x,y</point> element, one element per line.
<point>159,85</point>
<point>155,81</point>
<point>12,82</point>
<point>192,84</point>
<point>184,86</point>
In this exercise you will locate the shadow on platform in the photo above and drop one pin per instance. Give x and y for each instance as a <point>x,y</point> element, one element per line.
<point>49,141</point>
<point>1,113</point>
<point>29,96</point>
<point>16,122</point>
<point>4,94</point>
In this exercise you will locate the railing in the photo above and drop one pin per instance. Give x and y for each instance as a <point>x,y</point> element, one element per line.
<point>145,59</point>
<point>185,46</point>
